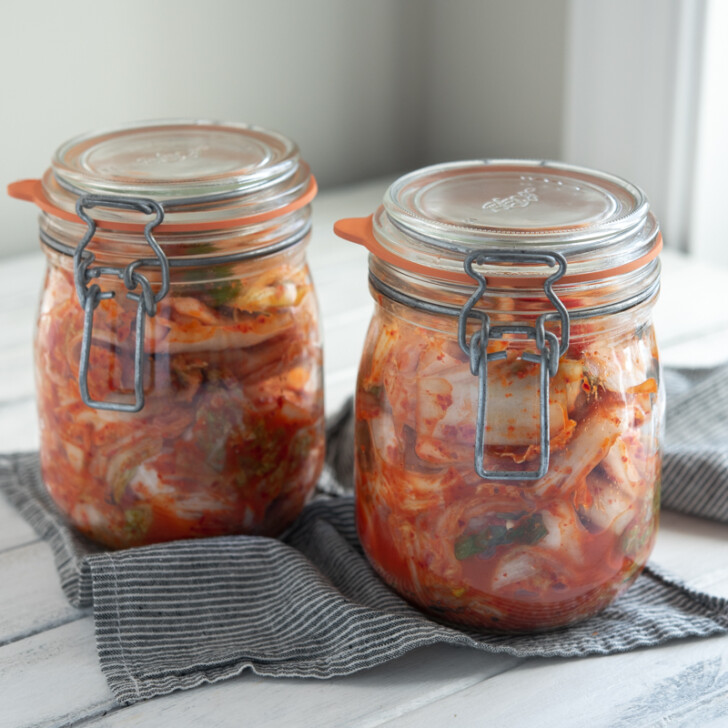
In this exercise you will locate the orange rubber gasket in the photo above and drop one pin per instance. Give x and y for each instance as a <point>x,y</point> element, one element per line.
<point>31,190</point>
<point>360,230</point>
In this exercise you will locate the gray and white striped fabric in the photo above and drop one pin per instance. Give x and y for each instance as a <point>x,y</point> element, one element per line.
<point>695,467</point>
<point>177,615</point>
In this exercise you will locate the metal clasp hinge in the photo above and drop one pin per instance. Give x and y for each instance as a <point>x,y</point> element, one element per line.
<point>90,296</point>
<point>548,345</point>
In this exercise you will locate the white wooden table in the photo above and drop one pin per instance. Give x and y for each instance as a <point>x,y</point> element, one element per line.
<point>49,672</point>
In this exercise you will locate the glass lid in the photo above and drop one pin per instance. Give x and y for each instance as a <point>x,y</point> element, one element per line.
<point>204,173</point>
<point>175,160</point>
<point>438,215</point>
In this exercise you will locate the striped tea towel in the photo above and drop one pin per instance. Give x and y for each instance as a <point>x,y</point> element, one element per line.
<point>173,616</point>
<point>695,465</point>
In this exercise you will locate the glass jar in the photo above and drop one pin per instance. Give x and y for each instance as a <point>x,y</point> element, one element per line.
<point>177,353</point>
<point>508,406</point>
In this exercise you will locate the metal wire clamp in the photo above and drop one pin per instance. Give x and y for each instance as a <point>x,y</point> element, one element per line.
<point>90,296</point>
<point>548,345</point>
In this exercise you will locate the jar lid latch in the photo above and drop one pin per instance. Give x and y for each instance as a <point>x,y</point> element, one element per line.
<point>90,296</point>
<point>549,347</point>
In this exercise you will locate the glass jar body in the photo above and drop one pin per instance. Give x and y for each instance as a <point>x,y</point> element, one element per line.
<point>231,436</point>
<point>509,555</point>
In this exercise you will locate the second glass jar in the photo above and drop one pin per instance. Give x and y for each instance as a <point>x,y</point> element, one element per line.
<point>507,477</point>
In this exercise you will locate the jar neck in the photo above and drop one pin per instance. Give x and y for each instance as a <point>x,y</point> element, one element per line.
<point>437,303</point>
<point>192,255</point>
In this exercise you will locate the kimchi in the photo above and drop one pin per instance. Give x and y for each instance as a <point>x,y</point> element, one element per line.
<point>513,555</point>
<point>230,439</point>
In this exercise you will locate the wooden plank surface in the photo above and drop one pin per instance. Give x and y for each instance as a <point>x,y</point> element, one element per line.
<point>679,684</point>
<point>52,678</point>
<point>14,531</point>
<point>384,693</point>
<point>49,672</point>
<point>32,598</point>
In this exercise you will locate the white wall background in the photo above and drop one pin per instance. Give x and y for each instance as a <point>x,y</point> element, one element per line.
<point>495,79</point>
<point>631,72</point>
<point>335,76</point>
<point>367,87</point>
<point>708,231</point>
